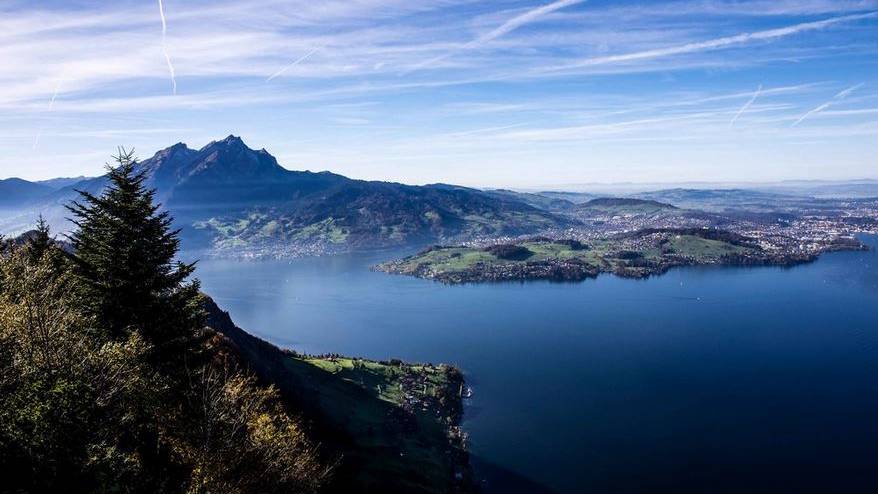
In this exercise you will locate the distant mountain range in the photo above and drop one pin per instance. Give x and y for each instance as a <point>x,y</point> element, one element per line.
<point>864,188</point>
<point>15,192</point>
<point>61,182</point>
<point>852,188</point>
<point>238,201</point>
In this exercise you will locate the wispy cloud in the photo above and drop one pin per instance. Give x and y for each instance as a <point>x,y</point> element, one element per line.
<point>602,130</point>
<point>486,130</point>
<point>718,43</point>
<point>165,48</point>
<point>838,97</point>
<point>847,92</point>
<point>293,64</point>
<point>744,8</point>
<point>746,106</point>
<point>654,71</point>
<point>860,111</point>
<point>51,106</point>
<point>501,30</point>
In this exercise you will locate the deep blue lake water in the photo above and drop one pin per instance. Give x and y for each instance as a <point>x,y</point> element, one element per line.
<point>700,380</point>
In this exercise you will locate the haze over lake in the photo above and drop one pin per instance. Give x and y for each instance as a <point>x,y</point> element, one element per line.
<point>703,379</point>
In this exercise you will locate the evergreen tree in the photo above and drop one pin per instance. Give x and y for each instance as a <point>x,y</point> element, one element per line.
<point>124,256</point>
<point>40,241</point>
<point>108,380</point>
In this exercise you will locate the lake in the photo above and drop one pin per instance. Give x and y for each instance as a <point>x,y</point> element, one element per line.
<point>701,380</point>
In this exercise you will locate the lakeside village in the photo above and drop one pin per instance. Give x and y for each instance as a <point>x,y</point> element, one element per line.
<point>418,391</point>
<point>800,237</point>
<point>798,232</point>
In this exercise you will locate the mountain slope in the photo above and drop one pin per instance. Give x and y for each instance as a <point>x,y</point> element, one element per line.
<point>237,201</point>
<point>611,206</point>
<point>719,200</point>
<point>381,443</point>
<point>625,203</point>
<point>539,201</point>
<point>15,191</point>
<point>61,182</point>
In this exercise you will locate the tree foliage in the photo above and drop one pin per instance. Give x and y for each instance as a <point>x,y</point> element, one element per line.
<point>108,380</point>
<point>124,258</point>
<point>68,398</point>
<point>244,442</point>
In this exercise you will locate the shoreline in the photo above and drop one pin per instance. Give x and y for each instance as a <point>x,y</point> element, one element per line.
<point>572,271</point>
<point>388,423</point>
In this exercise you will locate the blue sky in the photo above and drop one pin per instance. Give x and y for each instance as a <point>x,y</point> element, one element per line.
<point>499,93</point>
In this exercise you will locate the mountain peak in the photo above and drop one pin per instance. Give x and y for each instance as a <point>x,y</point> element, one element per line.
<point>173,150</point>
<point>230,160</point>
<point>231,141</point>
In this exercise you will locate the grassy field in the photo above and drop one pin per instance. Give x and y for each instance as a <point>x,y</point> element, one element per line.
<point>702,248</point>
<point>398,415</point>
<point>256,228</point>
<point>390,427</point>
<point>636,255</point>
<point>327,230</point>
<point>391,383</point>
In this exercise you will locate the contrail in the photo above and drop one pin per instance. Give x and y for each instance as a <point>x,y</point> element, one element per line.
<point>51,105</point>
<point>844,94</point>
<point>746,105</point>
<point>165,48</point>
<point>838,97</point>
<point>486,129</point>
<point>718,43</point>
<point>504,29</point>
<point>293,64</point>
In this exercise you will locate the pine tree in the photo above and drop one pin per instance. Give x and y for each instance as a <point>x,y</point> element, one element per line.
<point>124,255</point>
<point>104,386</point>
<point>40,241</point>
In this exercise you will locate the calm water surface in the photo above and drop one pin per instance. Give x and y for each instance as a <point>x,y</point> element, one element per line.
<point>700,380</point>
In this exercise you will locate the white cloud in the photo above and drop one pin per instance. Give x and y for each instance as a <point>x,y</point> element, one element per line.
<point>838,97</point>
<point>501,30</point>
<point>293,63</point>
<point>634,87</point>
<point>51,106</point>
<point>746,106</point>
<point>718,43</point>
<point>165,48</point>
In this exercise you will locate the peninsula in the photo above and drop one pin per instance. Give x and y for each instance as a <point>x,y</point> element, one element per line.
<point>639,254</point>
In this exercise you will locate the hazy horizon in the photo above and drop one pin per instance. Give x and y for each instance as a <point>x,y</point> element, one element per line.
<point>621,186</point>
<point>596,186</point>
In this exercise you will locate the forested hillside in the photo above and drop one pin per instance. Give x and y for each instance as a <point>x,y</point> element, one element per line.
<point>118,375</point>
<point>231,200</point>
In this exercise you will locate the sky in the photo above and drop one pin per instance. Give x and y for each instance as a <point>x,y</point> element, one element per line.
<point>497,93</point>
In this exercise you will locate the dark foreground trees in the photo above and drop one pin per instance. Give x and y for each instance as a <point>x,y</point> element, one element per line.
<point>108,380</point>
<point>124,263</point>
